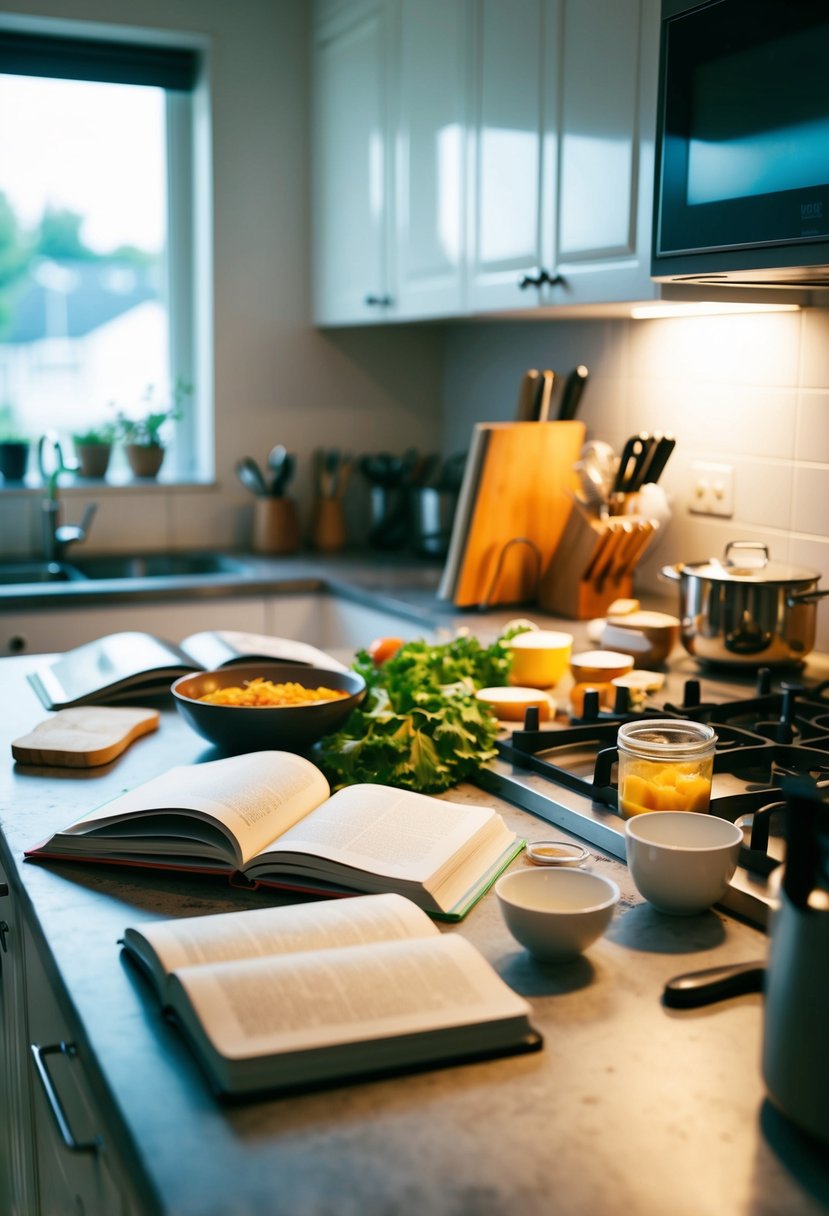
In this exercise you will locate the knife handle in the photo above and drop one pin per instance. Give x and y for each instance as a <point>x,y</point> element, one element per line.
<point>697,988</point>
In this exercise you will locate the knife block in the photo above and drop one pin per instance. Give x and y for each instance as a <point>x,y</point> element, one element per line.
<point>593,564</point>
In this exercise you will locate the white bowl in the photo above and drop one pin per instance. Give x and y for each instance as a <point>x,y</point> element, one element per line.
<point>681,861</point>
<point>556,913</point>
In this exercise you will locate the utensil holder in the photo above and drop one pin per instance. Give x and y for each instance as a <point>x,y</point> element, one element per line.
<point>594,564</point>
<point>275,526</point>
<point>328,534</point>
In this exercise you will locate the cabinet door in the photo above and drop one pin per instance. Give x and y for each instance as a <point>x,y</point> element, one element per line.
<point>78,1168</point>
<point>430,123</point>
<point>16,1157</point>
<point>604,199</point>
<point>512,151</point>
<point>352,280</point>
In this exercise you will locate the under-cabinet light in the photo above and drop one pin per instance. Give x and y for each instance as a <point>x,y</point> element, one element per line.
<point>703,308</point>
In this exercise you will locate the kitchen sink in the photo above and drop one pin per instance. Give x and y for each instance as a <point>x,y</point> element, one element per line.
<point>38,572</point>
<point>157,565</point>
<point>106,566</point>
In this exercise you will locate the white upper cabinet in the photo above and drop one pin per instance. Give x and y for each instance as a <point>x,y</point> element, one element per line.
<point>429,153</point>
<point>512,152</point>
<point>352,271</point>
<point>479,156</point>
<point>606,125</point>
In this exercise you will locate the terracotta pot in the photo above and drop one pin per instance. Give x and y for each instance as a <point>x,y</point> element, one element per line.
<point>145,459</point>
<point>93,458</point>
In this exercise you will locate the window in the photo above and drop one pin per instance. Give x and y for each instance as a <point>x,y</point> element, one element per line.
<point>96,236</point>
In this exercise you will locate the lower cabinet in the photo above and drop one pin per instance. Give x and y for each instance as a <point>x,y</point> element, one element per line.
<point>42,631</point>
<point>18,1195</point>
<point>77,1171</point>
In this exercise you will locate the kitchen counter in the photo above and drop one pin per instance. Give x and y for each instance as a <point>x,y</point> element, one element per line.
<point>629,1107</point>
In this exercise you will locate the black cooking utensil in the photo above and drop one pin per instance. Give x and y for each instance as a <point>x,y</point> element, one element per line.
<point>631,452</point>
<point>636,478</point>
<point>697,988</point>
<point>251,476</point>
<point>659,458</point>
<point>572,392</point>
<point>544,395</point>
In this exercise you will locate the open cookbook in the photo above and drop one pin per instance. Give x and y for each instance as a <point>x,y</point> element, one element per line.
<point>135,664</point>
<point>275,998</point>
<point>269,818</point>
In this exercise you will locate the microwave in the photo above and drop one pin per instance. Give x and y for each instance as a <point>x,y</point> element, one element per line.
<point>742,144</point>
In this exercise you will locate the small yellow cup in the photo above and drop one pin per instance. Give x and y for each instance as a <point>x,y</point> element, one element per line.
<point>539,658</point>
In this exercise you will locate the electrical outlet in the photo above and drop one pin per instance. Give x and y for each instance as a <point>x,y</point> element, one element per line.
<point>712,489</point>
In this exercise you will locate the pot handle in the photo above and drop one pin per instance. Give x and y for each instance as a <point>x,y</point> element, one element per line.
<point>805,597</point>
<point>672,574</point>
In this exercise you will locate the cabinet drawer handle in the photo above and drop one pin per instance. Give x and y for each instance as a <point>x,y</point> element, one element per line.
<point>4,929</point>
<point>379,301</point>
<point>538,279</point>
<point>70,1051</point>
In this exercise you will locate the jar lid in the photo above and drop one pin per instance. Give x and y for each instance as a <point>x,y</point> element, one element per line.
<point>653,737</point>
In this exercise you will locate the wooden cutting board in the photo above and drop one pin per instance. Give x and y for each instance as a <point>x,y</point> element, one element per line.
<point>523,500</point>
<point>84,737</point>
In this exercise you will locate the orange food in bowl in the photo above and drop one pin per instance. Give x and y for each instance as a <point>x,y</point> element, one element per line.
<point>510,704</point>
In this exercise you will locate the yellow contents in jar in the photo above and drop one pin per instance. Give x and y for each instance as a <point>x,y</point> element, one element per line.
<point>663,787</point>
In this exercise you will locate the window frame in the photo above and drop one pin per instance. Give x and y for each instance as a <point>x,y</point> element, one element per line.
<point>188,266</point>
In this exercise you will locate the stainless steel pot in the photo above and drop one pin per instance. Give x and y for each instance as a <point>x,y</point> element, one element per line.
<point>746,610</point>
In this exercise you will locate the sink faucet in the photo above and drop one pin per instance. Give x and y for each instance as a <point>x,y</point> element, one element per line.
<point>57,536</point>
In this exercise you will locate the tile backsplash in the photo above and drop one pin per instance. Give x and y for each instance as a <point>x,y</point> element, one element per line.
<point>747,390</point>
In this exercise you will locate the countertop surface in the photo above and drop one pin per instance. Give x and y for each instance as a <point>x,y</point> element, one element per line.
<point>630,1107</point>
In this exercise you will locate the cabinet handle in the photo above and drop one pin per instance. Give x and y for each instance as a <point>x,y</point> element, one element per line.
<point>378,301</point>
<point>4,889</point>
<point>4,929</point>
<point>70,1051</point>
<point>538,279</point>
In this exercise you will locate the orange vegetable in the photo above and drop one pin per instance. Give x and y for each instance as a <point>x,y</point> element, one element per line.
<point>382,649</point>
<point>673,787</point>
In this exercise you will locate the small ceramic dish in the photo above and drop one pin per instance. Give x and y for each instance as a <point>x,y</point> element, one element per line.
<point>557,853</point>
<point>539,657</point>
<point>556,913</point>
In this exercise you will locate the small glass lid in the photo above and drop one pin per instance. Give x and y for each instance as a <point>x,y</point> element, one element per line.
<point>556,853</point>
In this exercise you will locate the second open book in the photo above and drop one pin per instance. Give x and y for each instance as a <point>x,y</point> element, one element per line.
<point>269,818</point>
<point>274,998</point>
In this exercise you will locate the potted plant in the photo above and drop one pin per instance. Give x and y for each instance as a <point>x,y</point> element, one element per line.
<point>144,435</point>
<point>93,447</point>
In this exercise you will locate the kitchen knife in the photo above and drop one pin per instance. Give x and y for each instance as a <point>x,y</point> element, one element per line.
<point>572,392</point>
<point>544,395</point>
<point>525,409</point>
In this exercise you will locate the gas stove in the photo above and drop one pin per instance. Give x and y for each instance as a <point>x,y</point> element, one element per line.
<point>566,773</point>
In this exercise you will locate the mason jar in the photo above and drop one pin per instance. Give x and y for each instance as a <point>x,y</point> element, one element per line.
<point>665,765</point>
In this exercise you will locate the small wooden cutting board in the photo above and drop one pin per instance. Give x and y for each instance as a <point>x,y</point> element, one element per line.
<point>84,737</point>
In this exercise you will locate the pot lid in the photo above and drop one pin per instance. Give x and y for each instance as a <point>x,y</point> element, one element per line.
<point>749,562</point>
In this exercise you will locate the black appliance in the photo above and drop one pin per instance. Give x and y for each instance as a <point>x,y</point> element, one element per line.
<point>742,144</point>
<point>766,732</point>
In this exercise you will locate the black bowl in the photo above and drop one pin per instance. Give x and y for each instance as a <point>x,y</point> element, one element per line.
<point>240,728</point>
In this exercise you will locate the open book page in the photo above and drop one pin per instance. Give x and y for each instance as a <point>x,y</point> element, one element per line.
<point>358,995</point>
<point>89,670</point>
<point>383,830</point>
<point>164,946</point>
<point>214,648</point>
<point>253,797</point>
